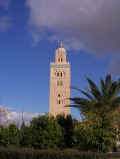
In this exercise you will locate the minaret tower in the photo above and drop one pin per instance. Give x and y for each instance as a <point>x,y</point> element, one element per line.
<point>59,83</point>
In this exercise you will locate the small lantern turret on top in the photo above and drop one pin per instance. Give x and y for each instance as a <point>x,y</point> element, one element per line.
<point>61,44</point>
<point>61,54</point>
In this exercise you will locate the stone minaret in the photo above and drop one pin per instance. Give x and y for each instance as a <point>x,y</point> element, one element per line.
<point>59,83</point>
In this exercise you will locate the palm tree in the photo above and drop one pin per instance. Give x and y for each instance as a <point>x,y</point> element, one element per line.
<point>100,107</point>
<point>100,102</point>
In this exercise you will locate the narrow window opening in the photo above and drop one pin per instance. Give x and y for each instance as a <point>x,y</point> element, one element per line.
<point>61,83</point>
<point>57,83</point>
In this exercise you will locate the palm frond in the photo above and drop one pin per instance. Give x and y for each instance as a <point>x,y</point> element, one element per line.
<point>116,101</point>
<point>84,93</point>
<point>114,90</point>
<point>75,106</point>
<point>81,101</point>
<point>102,84</point>
<point>102,102</point>
<point>108,79</point>
<point>94,89</point>
<point>108,84</point>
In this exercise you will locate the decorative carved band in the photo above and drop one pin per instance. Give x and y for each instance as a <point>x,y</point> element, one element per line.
<point>60,66</point>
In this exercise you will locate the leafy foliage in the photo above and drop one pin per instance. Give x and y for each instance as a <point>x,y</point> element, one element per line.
<point>46,133</point>
<point>100,102</point>
<point>100,107</point>
<point>25,138</point>
<point>43,132</point>
<point>48,154</point>
<point>67,125</point>
<point>13,135</point>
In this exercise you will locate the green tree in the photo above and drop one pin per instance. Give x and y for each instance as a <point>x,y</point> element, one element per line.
<point>100,108</point>
<point>13,134</point>
<point>46,132</point>
<point>67,124</point>
<point>4,136</point>
<point>93,137</point>
<point>25,136</point>
<point>82,136</point>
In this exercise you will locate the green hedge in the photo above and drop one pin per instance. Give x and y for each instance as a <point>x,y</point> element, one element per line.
<point>114,155</point>
<point>47,154</point>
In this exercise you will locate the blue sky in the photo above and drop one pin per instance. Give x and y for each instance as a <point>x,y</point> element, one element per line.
<point>29,34</point>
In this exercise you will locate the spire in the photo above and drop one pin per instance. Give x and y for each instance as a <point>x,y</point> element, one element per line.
<point>61,44</point>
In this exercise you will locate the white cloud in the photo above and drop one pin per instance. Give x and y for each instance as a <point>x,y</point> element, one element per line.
<point>89,24</point>
<point>17,116</point>
<point>4,112</point>
<point>8,116</point>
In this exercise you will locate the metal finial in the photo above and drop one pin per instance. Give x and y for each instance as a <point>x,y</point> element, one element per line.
<point>61,44</point>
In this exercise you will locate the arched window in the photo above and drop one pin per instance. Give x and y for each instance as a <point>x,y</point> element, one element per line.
<point>59,102</point>
<point>61,60</point>
<point>60,74</point>
<point>59,95</point>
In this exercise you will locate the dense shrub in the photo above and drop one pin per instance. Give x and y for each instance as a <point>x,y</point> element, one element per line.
<point>13,135</point>
<point>91,136</point>
<point>113,155</point>
<point>67,125</point>
<point>25,138</point>
<point>47,154</point>
<point>46,133</point>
